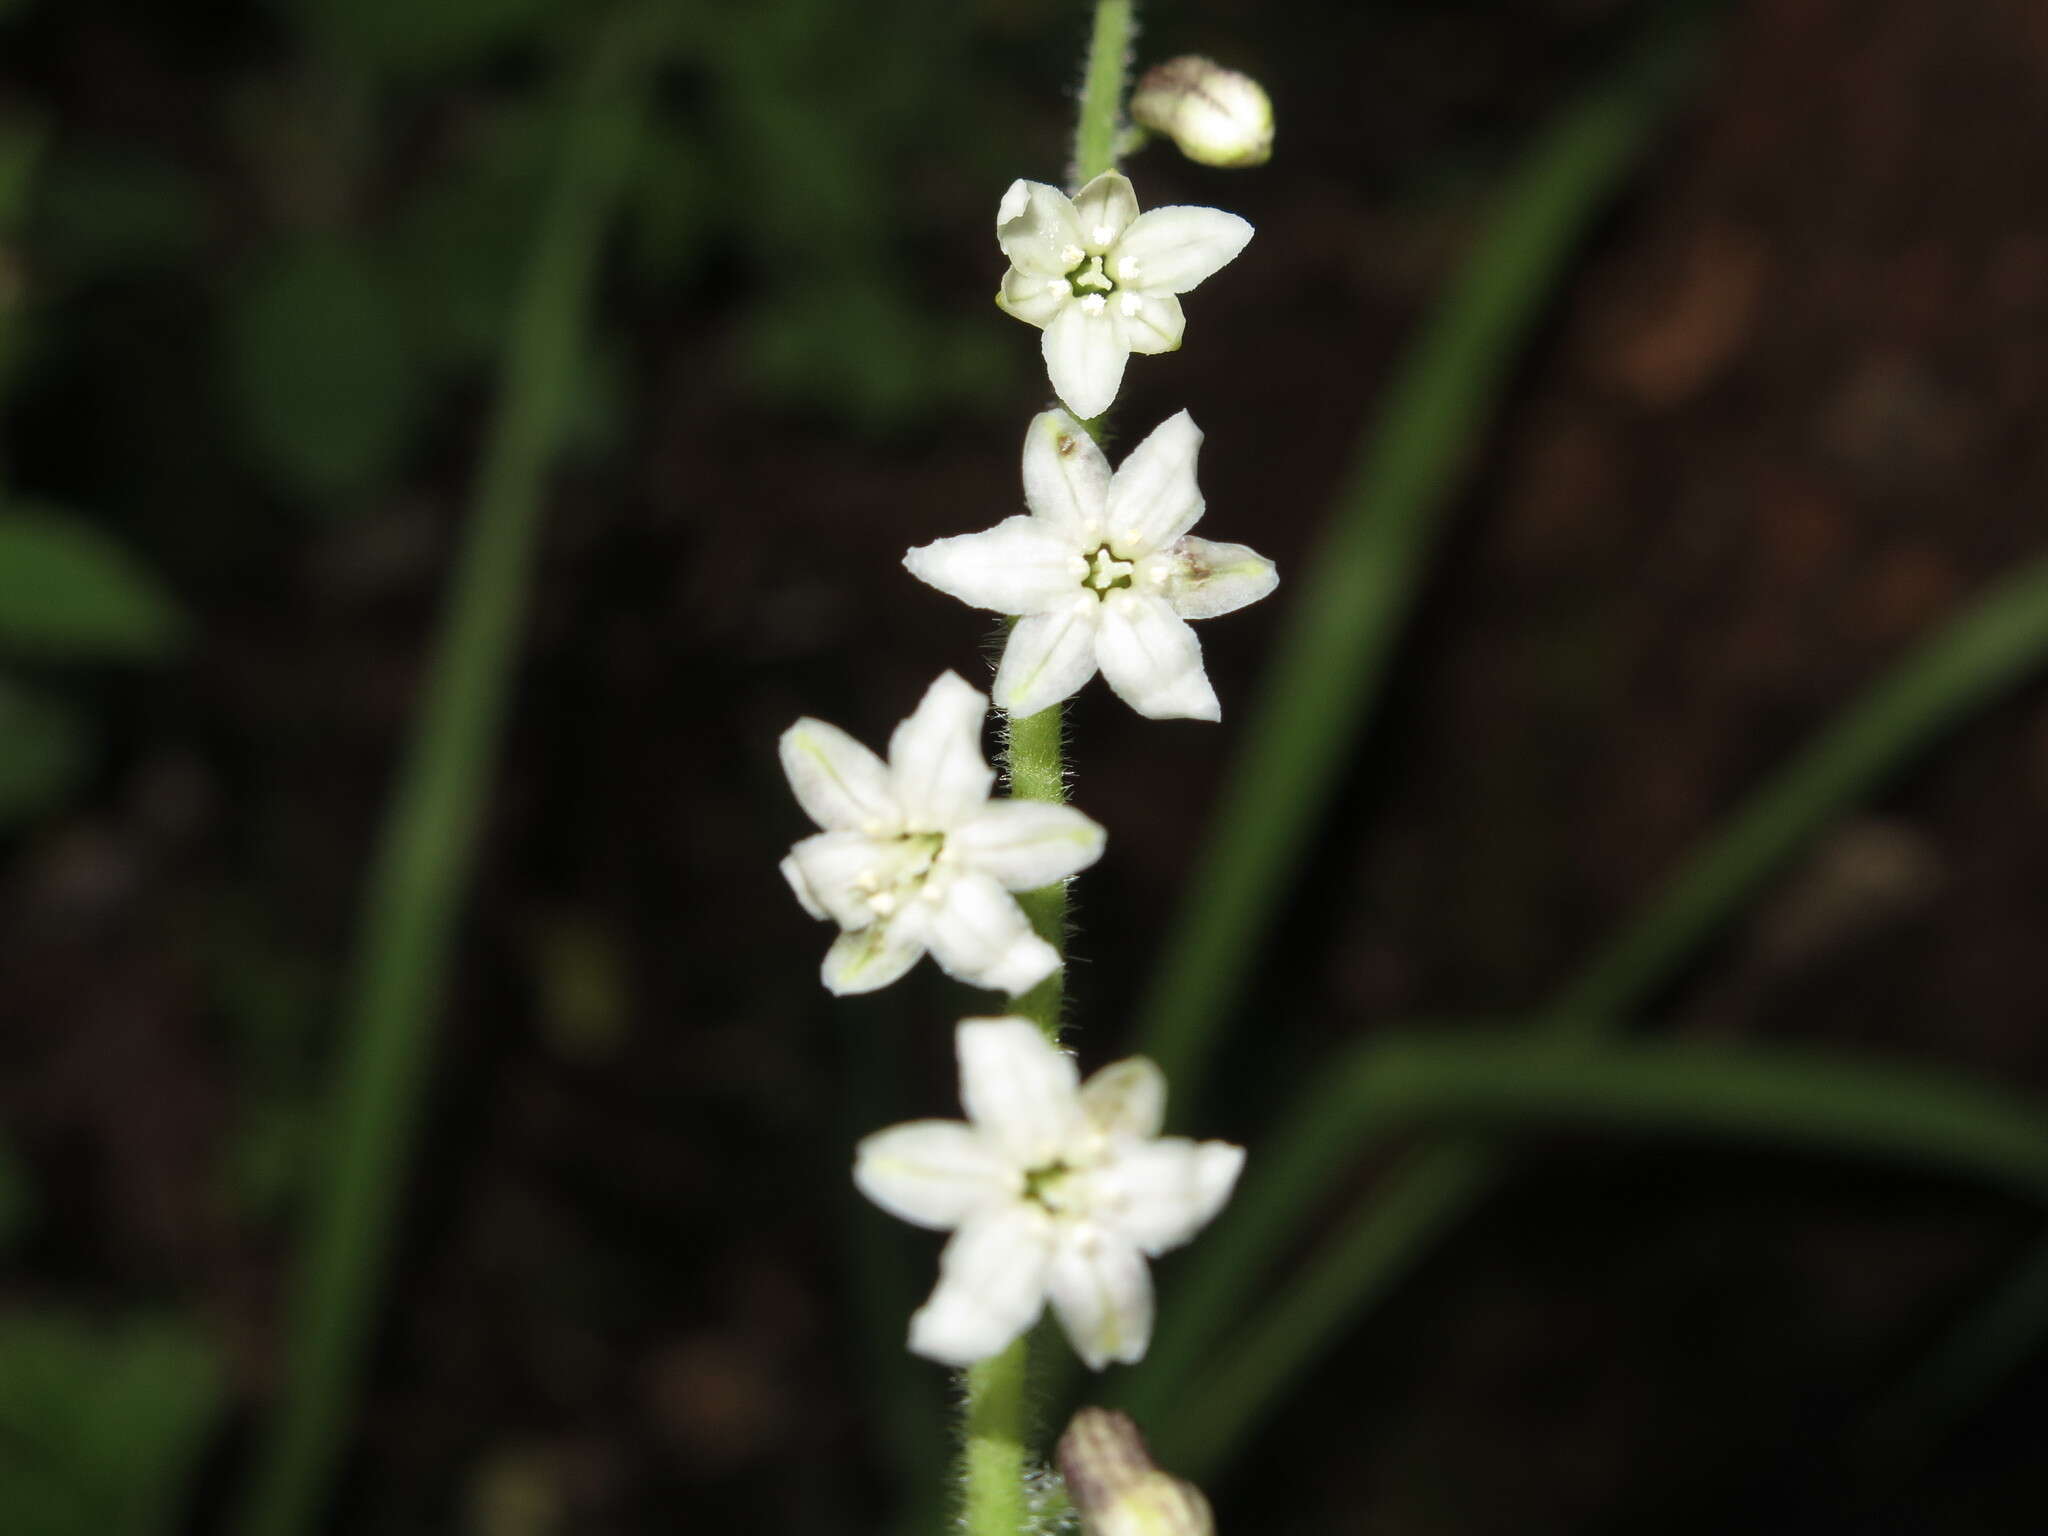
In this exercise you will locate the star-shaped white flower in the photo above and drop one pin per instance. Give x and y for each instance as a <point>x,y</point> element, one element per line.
<point>1052,1188</point>
<point>914,856</point>
<point>1100,278</point>
<point>1103,573</point>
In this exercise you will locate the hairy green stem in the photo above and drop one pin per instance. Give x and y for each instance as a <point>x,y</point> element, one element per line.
<point>1102,90</point>
<point>994,1459</point>
<point>425,855</point>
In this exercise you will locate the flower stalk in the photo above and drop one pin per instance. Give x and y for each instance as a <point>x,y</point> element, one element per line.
<point>992,1462</point>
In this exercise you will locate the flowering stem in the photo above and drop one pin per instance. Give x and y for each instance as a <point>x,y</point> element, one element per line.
<point>1035,762</point>
<point>1096,136</point>
<point>993,1459</point>
<point>426,852</point>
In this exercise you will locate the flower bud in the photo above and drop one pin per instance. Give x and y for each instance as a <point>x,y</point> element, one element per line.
<point>1216,115</point>
<point>1116,1487</point>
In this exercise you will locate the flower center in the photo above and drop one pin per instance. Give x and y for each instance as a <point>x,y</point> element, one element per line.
<point>1106,572</point>
<point>1052,1188</point>
<point>903,866</point>
<point>1088,276</point>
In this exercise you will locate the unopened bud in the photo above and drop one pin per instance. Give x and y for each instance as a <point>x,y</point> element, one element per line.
<point>1216,115</point>
<point>1118,1490</point>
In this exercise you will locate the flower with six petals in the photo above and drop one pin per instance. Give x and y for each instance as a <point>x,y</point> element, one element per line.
<point>916,857</point>
<point>1103,573</point>
<point>1101,279</point>
<point>1052,1188</point>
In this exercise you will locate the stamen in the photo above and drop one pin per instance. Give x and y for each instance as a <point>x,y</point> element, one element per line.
<point>1104,233</point>
<point>1130,304</point>
<point>1094,304</point>
<point>1072,255</point>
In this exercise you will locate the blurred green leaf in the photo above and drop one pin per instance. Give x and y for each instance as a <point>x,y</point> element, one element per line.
<point>107,211</point>
<point>669,206</point>
<point>322,367</point>
<point>100,1427</point>
<point>411,37</point>
<point>21,152</point>
<point>43,749</point>
<point>69,591</point>
<point>456,253</point>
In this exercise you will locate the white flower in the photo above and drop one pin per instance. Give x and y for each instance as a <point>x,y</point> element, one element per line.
<point>1051,1188</point>
<point>914,855</point>
<point>1103,572</point>
<point>1099,278</point>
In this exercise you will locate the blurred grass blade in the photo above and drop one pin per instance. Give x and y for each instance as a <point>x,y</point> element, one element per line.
<point>1996,642</point>
<point>423,861</point>
<point>69,592</point>
<point>1795,1097</point>
<point>1492,1083</point>
<point>2000,639</point>
<point>1348,609</point>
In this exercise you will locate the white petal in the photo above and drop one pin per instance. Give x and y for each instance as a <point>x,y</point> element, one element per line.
<point>1037,229</point>
<point>872,958</point>
<point>1018,1088</point>
<point>1175,248</point>
<point>1161,1193</point>
<point>935,1173</point>
<point>1066,478</point>
<point>1153,498</point>
<point>1149,323</point>
<point>935,761</point>
<point>1126,1098</point>
<point>1105,208</point>
<point>1025,844</point>
<point>830,865</point>
<point>1102,1292</point>
<point>1021,565</point>
<point>1048,657</point>
<point>1033,297</point>
<point>795,877</point>
<point>840,784</point>
<point>1207,578</point>
<point>1084,358</point>
<point>991,1286</point>
<point>979,935</point>
<point>1153,660</point>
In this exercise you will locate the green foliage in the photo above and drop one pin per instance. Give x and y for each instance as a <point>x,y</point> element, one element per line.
<point>100,1427</point>
<point>413,37</point>
<point>324,370</point>
<point>69,592</point>
<point>21,151</point>
<point>44,746</point>
<point>117,210</point>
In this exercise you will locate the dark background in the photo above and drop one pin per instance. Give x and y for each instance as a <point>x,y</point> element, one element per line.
<point>1782,420</point>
